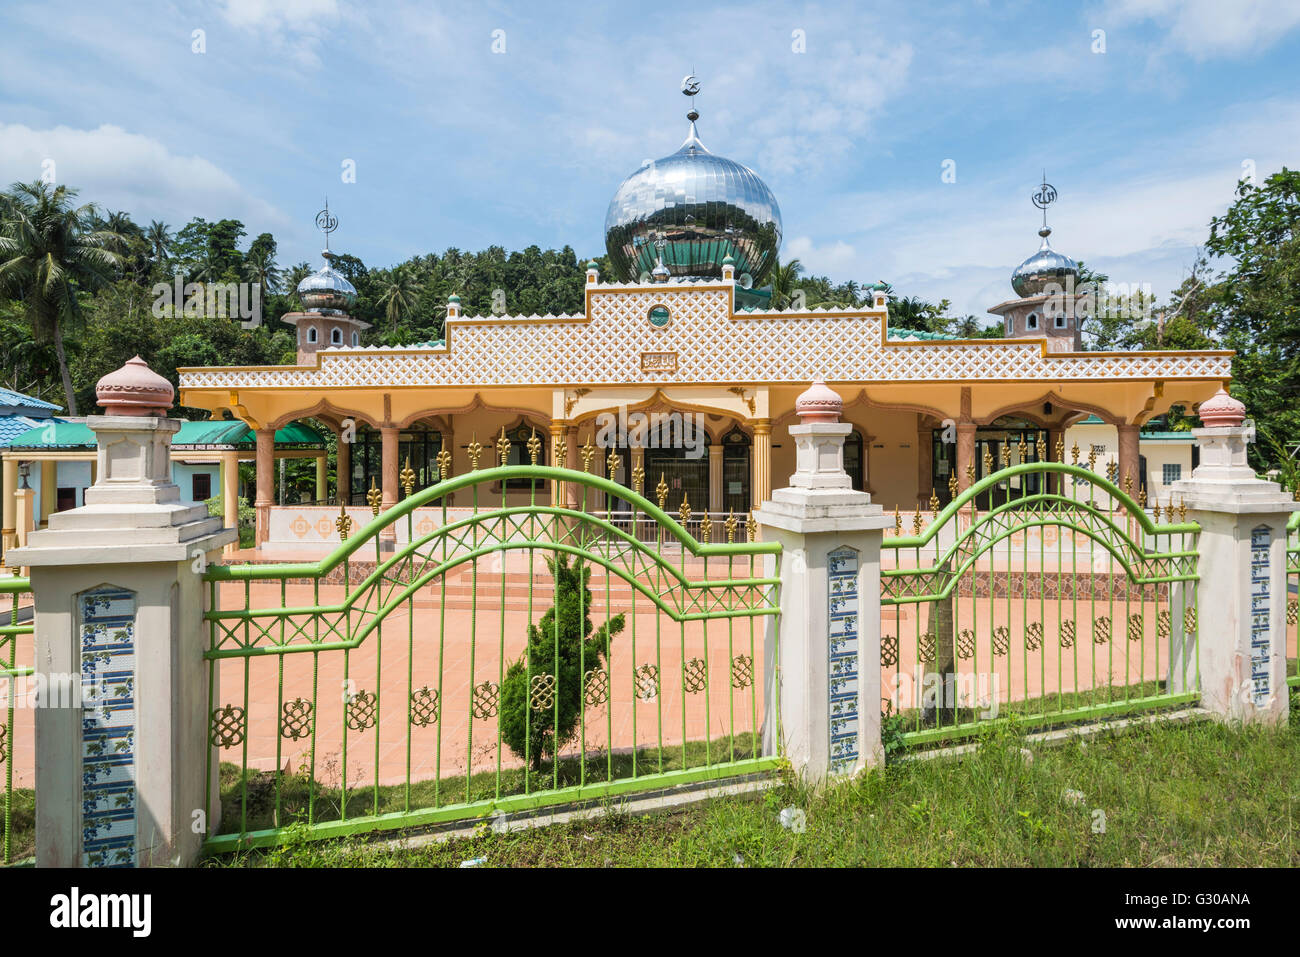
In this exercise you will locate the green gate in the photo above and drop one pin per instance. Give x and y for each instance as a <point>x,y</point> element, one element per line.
<point>414,677</point>
<point>19,594</point>
<point>1293,601</point>
<point>1061,601</point>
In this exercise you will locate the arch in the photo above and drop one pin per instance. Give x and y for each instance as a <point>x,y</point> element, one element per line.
<point>356,339</point>
<point>1056,400</point>
<point>325,410</point>
<point>313,336</point>
<point>442,412</point>
<point>336,336</point>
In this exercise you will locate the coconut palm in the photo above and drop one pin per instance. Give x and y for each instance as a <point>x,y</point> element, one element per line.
<point>49,252</point>
<point>159,238</point>
<point>260,267</point>
<point>398,293</point>
<point>783,278</point>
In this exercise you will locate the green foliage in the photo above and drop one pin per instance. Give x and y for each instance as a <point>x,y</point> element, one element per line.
<point>564,634</point>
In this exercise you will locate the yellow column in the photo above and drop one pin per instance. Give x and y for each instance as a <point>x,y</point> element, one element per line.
<point>322,478</point>
<point>965,452</point>
<point>715,478</point>
<point>761,461</point>
<point>49,486</point>
<point>924,463</point>
<point>389,465</point>
<point>265,484</point>
<point>1130,461</point>
<point>9,485</point>
<point>343,471</point>
<point>571,490</point>
<point>230,494</point>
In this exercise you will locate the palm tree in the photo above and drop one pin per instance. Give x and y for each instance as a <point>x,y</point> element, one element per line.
<point>159,238</point>
<point>49,252</point>
<point>260,267</point>
<point>783,279</point>
<point>398,293</point>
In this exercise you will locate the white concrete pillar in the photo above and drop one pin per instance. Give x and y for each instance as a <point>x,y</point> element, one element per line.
<point>829,629</point>
<point>121,766</point>
<point>230,495</point>
<point>9,485</point>
<point>1237,638</point>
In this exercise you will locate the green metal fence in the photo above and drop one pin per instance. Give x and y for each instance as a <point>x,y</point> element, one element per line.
<point>415,679</point>
<point>15,590</point>
<point>1062,600</point>
<point>1293,600</point>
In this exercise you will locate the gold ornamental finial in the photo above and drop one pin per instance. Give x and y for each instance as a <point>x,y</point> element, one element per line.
<point>612,462</point>
<point>970,475</point>
<point>1023,449</point>
<point>1128,484</point>
<point>661,491</point>
<point>444,464</point>
<point>407,478</point>
<point>534,448</point>
<point>1074,454</point>
<point>685,510</point>
<point>588,452</point>
<point>751,526</point>
<point>731,525</point>
<point>374,497</point>
<point>503,447</point>
<point>952,485</point>
<point>1092,460</point>
<point>934,504</point>
<point>988,461</point>
<point>916,523</point>
<point>1182,510</point>
<point>1169,510</point>
<point>1142,498</point>
<point>475,449</point>
<point>706,527</point>
<point>343,523</point>
<point>638,479</point>
<point>1112,471</point>
<point>1060,448</point>
<point>1155,508</point>
<point>1041,448</point>
<point>898,522</point>
<point>1006,454</point>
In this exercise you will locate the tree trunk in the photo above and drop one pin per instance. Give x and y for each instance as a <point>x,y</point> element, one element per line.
<point>68,393</point>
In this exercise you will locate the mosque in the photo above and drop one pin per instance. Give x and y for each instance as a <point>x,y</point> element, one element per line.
<point>684,329</point>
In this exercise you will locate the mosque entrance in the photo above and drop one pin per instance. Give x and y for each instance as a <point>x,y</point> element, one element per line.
<point>1006,441</point>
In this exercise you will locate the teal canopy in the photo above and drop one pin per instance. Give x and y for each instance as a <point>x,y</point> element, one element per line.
<point>206,433</point>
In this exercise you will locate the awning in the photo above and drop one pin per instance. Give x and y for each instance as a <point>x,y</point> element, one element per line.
<point>193,434</point>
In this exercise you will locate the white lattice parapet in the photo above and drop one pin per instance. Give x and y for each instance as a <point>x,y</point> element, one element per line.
<point>701,341</point>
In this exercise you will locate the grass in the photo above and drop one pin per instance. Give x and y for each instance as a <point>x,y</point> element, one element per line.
<point>1200,794</point>
<point>363,798</point>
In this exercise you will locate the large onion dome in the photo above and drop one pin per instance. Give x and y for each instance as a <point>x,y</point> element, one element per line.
<point>692,210</point>
<point>326,290</point>
<point>1044,268</point>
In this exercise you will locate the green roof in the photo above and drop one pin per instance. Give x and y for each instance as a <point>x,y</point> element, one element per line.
<point>77,435</point>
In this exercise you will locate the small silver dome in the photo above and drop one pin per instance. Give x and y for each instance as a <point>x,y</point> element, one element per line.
<point>703,207</point>
<point>326,291</point>
<point>1044,268</point>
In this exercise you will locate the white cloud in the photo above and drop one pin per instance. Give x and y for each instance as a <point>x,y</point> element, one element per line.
<point>293,28</point>
<point>121,170</point>
<point>1206,29</point>
<point>835,258</point>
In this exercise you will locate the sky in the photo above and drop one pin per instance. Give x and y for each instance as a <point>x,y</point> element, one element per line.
<point>902,140</point>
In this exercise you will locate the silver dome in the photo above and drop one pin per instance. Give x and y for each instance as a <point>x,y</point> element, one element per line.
<point>704,207</point>
<point>1044,268</point>
<point>326,291</point>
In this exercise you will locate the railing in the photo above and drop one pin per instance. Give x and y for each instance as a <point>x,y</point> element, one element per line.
<point>459,672</point>
<point>10,671</point>
<point>1065,605</point>
<point>1293,600</point>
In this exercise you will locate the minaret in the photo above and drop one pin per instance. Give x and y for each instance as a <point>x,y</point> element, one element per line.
<point>1050,302</point>
<point>326,296</point>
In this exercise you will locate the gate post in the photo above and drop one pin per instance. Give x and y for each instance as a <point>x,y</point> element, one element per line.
<point>121,729</point>
<point>1240,624</point>
<point>829,657</point>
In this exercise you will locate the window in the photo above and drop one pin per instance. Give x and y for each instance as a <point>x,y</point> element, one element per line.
<point>356,339</point>
<point>1010,326</point>
<point>1171,472</point>
<point>66,498</point>
<point>311,334</point>
<point>1031,321</point>
<point>1060,320</point>
<point>336,337</point>
<point>200,486</point>
<point>853,459</point>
